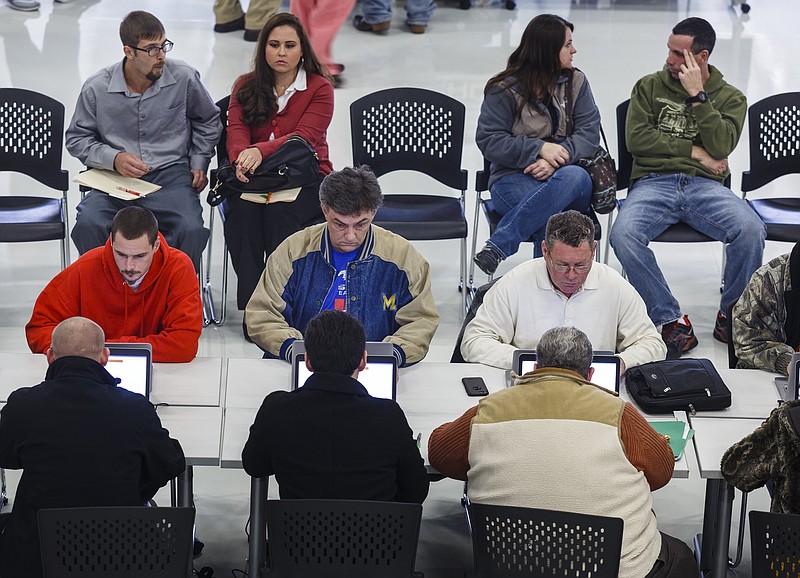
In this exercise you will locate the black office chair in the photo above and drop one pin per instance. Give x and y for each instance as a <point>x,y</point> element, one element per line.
<point>774,545</point>
<point>342,538</point>
<point>31,143</point>
<point>677,233</point>
<point>209,307</point>
<point>510,541</point>
<point>774,152</point>
<point>116,542</point>
<point>493,219</point>
<point>413,129</point>
<point>475,303</point>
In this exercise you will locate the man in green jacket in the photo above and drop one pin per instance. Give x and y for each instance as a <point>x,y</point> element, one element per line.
<point>682,124</point>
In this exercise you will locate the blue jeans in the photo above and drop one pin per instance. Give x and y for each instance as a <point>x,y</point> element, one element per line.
<point>417,11</point>
<point>657,201</point>
<point>526,204</point>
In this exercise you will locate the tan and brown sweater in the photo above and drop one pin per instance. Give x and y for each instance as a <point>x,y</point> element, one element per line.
<point>556,441</point>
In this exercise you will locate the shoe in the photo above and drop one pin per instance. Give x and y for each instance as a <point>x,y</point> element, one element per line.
<point>487,260</point>
<point>721,328</point>
<point>417,28</point>
<point>63,1</point>
<point>364,26</point>
<point>338,81</point>
<point>679,337</point>
<point>24,5</point>
<point>231,26</point>
<point>251,35</point>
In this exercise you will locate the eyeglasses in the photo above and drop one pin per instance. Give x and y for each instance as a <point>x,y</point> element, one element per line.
<point>154,50</point>
<point>564,268</point>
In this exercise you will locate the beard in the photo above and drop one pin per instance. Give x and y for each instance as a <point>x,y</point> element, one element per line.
<point>154,74</point>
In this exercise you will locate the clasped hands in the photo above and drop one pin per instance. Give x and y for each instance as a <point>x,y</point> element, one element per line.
<point>551,157</point>
<point>247,162</point>
<point>129,165</point>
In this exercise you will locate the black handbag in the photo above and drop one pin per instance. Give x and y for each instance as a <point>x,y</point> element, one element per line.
<point>295,164</point>
<point>677,385</point>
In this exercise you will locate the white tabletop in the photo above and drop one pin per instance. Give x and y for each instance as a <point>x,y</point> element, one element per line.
<point>196,383</point>
<point>714,435</point>
<point>197,429</point>
<point>430,393</point>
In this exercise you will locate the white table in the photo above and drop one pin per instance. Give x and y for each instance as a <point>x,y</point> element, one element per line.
<point>430,393</point>
<point>714,435</point>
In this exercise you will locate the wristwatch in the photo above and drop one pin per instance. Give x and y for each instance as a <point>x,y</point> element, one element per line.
<point>701,97</point>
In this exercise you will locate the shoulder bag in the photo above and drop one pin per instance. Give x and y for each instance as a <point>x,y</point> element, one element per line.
<point>600,166</point>
<point>677,385</point>
<point>295,164</point>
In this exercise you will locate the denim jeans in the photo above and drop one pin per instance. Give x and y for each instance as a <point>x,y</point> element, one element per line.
<point>417,11</point>
<point>657,201</point>
<point>526,204</point>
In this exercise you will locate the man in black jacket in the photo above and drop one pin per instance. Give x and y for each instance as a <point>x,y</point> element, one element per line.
<point>80,441</point>
<point>329,439</point>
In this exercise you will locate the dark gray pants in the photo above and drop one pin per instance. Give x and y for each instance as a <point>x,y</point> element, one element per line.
<point>176,206</point>
<point>675,560</point>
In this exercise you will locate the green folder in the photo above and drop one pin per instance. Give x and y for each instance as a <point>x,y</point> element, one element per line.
<point>678,432</point>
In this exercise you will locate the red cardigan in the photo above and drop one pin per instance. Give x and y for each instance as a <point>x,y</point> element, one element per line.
<point>165,311</point>
<point>307,114</point>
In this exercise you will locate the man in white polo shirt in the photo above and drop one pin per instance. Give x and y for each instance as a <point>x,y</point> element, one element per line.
<point>565,287</point>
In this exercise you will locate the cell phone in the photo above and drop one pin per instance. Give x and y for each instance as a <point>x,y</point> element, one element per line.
<point>474,386</point>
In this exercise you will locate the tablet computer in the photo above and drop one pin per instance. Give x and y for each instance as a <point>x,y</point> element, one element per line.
<point>606,367</point>
<point>379,377</point>
<point>132,365</point>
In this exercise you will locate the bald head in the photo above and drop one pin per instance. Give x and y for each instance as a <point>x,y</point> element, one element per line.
<point>80,337</point>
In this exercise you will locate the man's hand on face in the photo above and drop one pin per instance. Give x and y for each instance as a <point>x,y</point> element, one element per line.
<point>691,75</point>
<point>129,165</point>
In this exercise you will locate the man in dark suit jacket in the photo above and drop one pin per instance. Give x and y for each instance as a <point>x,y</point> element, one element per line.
<point>80,441</point>
<point>329,438</point>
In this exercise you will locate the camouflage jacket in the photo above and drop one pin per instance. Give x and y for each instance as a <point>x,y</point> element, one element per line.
<point>759,336</point>
<point>770,452</point>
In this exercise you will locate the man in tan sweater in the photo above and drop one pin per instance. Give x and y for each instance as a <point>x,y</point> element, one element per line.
<point>556,441</point>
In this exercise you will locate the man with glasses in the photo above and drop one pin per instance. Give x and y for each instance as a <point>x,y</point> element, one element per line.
<point>148,118</point>
<point>565,287</point>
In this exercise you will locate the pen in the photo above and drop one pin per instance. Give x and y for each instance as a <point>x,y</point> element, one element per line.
<point>129,191</point>
<point>419,439</point>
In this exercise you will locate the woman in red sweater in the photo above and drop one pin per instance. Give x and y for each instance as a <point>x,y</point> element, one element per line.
<point>288,93</point>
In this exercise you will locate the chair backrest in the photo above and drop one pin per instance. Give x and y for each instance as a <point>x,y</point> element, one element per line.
<point>477,301</point>
<point>342,538</point>
<point>774,545</point>
<point>410,129</point>
<point>512,541</point>
<point>32,136</point>
<point>624,156</point>
<point>774,139</point>
<point>222,151</point>
<point>733,361</point>
<point>116,542</point>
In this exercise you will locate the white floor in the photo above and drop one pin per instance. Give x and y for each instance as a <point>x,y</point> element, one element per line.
<point>53,50</point>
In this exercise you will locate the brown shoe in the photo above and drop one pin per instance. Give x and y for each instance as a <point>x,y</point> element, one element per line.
<point>360,24</point>
<point>417,28</point>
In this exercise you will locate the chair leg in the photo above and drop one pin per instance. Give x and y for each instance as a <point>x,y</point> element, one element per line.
<point>462,286</point>
<point>471,263</point>
<point>206,286</point>
<point>607,251</point>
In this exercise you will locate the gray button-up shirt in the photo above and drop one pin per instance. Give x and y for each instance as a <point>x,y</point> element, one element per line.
<point>175,120</point>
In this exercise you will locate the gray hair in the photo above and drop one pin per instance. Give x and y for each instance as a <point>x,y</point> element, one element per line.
<point>565,348</point>
<point>80,337</point>
<point>351,191</point>
<point>570,227</point>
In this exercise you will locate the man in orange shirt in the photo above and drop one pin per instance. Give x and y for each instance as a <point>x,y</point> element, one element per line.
<point>136,287</point>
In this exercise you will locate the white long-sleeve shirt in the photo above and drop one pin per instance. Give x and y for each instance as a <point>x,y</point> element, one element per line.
<point>524,304</point>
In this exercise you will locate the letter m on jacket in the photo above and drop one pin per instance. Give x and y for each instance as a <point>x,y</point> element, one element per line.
<point>390,303</point>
